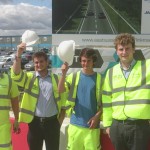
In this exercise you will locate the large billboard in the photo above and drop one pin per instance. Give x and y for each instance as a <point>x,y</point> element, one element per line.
<point>90,23</point>
<point>145,19</point>
<point>95,24</point>
<point>104,46</point>
<point>100,16</point>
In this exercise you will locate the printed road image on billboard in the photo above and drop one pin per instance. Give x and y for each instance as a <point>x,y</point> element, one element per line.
<point>96,16</point>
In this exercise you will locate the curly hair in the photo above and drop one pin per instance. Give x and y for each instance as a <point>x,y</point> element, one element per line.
<point>124,39</point>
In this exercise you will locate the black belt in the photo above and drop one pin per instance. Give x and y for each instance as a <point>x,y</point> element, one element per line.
<point>127,121</point>
<point>44,119</point>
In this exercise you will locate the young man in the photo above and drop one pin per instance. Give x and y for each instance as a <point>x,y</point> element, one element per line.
<point>8,99</point>
<point>84,89</point>
<point>126,97</point>
<point>41,107</point>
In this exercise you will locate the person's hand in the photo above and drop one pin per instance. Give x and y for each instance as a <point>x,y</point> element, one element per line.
<point>93,122</point>
<point>16,128</point>
<point>108,131</point>
<point>64,68</point>
<point>20,49</point>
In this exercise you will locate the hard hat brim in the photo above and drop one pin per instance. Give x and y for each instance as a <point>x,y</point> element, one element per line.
<point>32,42</point>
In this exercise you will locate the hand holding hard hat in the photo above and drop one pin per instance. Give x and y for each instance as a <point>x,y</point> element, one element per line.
<point>29,37</point>
<point>66,50</point>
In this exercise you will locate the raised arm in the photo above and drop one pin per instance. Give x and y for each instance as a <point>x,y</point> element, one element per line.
<point>61,84</point>
<point>17,62</point>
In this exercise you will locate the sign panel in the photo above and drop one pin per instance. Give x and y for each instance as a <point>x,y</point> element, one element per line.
<point>145,24</point>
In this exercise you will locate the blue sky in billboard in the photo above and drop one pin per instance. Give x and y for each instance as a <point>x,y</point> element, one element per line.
<point>20,15</point>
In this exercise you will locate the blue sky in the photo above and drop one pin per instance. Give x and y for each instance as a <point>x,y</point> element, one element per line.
<point>21,15</point>
<point>47,3</point>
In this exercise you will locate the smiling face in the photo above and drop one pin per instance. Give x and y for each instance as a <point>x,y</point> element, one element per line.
<point>125,48</point>
<point>87,64</point>
<point>125,53</point>
<point>87,60</point>
<point>40,64</point>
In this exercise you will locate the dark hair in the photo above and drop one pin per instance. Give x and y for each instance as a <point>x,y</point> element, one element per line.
<point>124,39</point>
<point>88,53</point>
<point>40,54</point>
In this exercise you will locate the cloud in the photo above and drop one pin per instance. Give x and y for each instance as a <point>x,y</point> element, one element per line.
<point>15,19</point>
<point>6,1</point>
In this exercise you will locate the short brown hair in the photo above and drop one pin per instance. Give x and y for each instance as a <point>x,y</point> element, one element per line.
<point>40,54</point>
<point>88,53</point>
<point>124,39</point>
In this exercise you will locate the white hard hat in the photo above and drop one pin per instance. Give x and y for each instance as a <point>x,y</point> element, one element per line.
<point>66,51</point>
<point>29,37</point>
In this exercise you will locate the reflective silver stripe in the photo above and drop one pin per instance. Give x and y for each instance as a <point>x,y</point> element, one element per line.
<point>110,78</point>
<point>57,80</point>
<point>130,102</point>
<point>31,85</point>
<point>5,145</point>
<point>4,107</point>
<point>105,105</point>
<point>99,104</point>
<point>68,85</point>
<point>32,82</point>
<point>25,81</point>
<point>66,107</point>
<point>138,101</point>
<point>28,91</point>
<point>106,93</point>
<point>70,97</point>
<point>131,88</point>
<point>9,88</point>
<point>142,86</point>
<point>27,111</point>
<point>98,87</point>
<point>56,98</point>
<point>4,96</point>
<point>143,71</point>
<point>19,80</point>
<point>10,84</point>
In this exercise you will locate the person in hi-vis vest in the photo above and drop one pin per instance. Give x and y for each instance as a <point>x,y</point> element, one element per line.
<point>84,97</point>
<point>9,95</point>
<point>126,98</point>
<point>42,107</point>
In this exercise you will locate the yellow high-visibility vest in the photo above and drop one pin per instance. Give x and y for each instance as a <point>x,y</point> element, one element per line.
<point>71,86</point>
<point>31,92</point>
<point>5,105</point>
<point>123,98</point>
